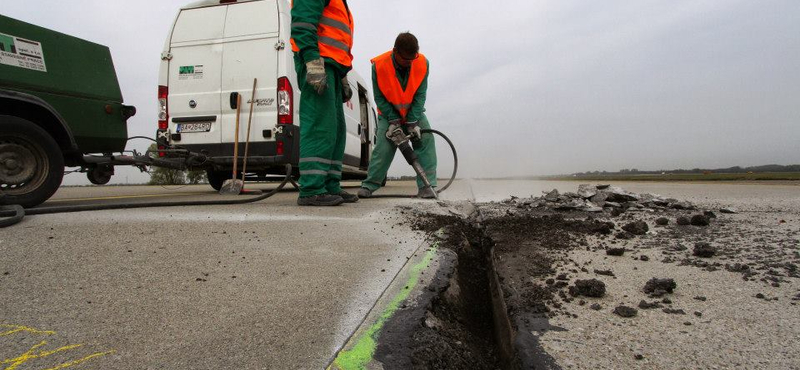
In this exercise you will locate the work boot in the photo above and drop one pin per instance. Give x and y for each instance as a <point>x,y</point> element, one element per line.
<point>426,193</point>
<point>364,193</point>
<point>348,198</point>
<point>322,200</point>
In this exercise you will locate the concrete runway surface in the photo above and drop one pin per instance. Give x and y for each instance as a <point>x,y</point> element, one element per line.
<point>267,285</point>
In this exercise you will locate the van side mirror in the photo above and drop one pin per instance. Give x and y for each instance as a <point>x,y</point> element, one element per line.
<point>234,98</point>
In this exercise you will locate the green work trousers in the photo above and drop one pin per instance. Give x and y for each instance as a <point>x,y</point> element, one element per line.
<point>383,155</point>
<point>322,135</point>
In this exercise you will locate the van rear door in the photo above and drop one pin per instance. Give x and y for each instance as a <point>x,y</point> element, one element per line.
<point>195,74</point>
<point>249,52</point>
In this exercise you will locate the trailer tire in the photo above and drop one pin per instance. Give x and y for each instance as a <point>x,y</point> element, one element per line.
<point>31,162</point>
<point>217,178</point>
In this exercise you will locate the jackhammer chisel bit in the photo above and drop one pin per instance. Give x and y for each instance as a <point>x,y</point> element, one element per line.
<point>403,142</point>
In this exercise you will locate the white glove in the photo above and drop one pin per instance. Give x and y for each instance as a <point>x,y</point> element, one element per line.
<point>393,126</point>
<point>316,76</point>
<point>347,91</point>
<point>414,130</point>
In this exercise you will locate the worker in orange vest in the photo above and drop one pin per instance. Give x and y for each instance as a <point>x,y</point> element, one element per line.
<point>400,84</point>
<point>322,39</point>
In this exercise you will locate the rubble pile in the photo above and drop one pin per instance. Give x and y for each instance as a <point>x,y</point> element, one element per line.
<point>601,198</point>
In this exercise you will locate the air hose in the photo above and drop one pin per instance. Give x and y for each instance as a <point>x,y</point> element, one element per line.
<point>14,213</point>
<point>11,214</point>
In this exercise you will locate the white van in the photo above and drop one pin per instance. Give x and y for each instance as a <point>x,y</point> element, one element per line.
<point>214,50</point>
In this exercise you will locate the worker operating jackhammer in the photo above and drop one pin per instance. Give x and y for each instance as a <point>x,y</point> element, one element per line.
<point>400,84</point>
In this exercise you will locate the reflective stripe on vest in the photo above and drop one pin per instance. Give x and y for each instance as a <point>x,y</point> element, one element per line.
<point>334,32</point>
<point>390,85</point>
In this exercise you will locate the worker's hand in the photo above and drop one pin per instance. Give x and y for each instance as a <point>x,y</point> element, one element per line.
<point>393,126</point>
<point>347,91</point>
<point>316,76</point>
<point>414,130</point>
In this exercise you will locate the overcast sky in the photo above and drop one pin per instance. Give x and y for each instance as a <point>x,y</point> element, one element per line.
<point>532,87</point>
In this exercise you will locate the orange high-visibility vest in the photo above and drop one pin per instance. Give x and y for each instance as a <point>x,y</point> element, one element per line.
<point>390,85</point>
<point>335,33</point>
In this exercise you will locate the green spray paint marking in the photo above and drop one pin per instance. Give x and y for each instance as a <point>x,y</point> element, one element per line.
<point>361,354</point>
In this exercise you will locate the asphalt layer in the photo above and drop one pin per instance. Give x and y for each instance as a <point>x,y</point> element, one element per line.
<point>263,285</point>
<point>271,285</point>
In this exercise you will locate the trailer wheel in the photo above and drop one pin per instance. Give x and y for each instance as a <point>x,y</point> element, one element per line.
<point>31,163</point>
<point>217,178</point>
<point>99,175</point>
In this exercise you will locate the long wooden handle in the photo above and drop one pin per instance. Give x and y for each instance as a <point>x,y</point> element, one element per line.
<point>236,138</point>
<point>249,121</point>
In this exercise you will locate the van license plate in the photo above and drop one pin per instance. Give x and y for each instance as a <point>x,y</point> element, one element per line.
<point>194,127</point>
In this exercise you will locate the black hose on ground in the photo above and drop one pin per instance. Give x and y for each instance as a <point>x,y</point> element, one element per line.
<point>452,177</point>
<point>13,214</point>
<point>16,212</point>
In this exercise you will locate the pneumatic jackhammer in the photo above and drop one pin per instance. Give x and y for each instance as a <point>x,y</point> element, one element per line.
<point>403,142</point>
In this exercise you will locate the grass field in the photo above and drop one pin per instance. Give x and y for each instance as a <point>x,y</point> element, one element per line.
<point>766,176</point>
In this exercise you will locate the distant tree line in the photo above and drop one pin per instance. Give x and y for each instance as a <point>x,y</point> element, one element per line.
<point>735,169</point>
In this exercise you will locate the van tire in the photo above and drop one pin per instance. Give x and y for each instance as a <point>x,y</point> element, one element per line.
<point>217,178</point>
<point>31,163</point>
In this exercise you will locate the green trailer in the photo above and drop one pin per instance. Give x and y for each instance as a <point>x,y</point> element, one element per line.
<point>59,101</point>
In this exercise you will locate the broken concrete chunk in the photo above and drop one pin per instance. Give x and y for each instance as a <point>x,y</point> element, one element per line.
<point>615,251</point>
<point>658,287</point>
<point>588,288</point>
<point>649,305</point>
<point>604,272</point>
<point>599,198</point>
<point>683,221</point>
<point>624,235</point>
<point>663,221</point>
<point>552,196</point>
<point>587,191</point>
<point>636,228</point>
<point>625,311</point>
<point>729,211</point>
<point>700,220</point>
<point>572,204</point>
<point>704,250</point>
<point>682,205</point>
<point>616,194</point>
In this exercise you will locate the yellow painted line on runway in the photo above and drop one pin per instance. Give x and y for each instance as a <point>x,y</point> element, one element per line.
<point>32,355</point>
<point>38,352</point>
<point>19,328</point>
<point>127,197</point>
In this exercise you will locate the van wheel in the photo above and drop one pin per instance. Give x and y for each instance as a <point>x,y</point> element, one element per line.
<point>31,163</point>
<point>217,178</point>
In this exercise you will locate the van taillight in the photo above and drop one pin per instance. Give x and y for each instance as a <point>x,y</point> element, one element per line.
<point>163,113</point>
<point>285,102</point>
<point>280,148</point>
